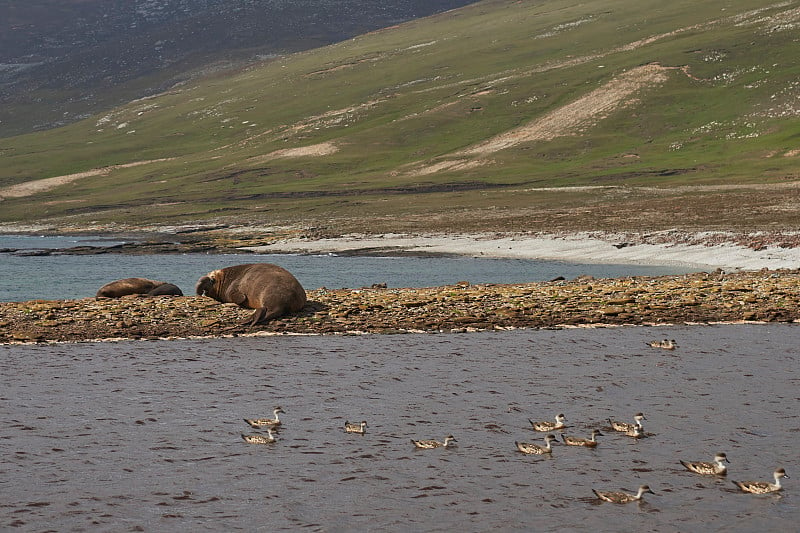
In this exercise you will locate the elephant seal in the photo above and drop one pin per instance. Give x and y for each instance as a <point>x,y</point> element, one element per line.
<point>149,287</point>
<point>269,289</point>
<point>165,289</point>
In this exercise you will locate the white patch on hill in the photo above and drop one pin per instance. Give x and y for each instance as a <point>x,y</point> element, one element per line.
<point>314,150</point>
<point>578,115</point>
<point>570,119</point>
<point>30,188</point>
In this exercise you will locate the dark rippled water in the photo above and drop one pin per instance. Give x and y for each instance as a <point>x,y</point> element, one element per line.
<point>145,436</point>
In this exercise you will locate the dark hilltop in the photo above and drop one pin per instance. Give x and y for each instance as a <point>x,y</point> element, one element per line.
<point>62,60</point>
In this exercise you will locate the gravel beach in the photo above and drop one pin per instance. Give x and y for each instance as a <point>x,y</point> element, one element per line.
<point>758,296</point>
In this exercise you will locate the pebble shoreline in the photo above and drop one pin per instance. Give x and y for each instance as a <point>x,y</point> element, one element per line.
<point>756,296</point>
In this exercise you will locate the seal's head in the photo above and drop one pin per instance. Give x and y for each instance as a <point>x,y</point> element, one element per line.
<point>205,285</point>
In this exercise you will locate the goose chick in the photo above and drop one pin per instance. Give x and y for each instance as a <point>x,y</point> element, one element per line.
<point>259,439</point>
<point>625,427</point>
<point>550,426</point>
<point>763,487</point>
<point>535,449</point>
<point>717,468</point>
<point>622,497</point>
<point>355,428</point>
<point>259,423</point>
<point>591,442</point>
<point>428,444</point>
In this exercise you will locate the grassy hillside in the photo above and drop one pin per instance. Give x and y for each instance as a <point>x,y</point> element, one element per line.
<point>465,120</point>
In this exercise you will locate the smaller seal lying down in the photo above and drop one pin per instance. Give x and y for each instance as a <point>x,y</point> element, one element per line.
<point>269,289</point>
<point>165,289</point>
<point>148,287</point>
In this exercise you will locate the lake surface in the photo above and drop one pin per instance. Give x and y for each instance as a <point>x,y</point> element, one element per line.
<point>145,436</point>
<point>56,277</point>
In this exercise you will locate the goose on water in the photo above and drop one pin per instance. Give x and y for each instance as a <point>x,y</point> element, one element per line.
<point>763,487</point>
<point>591,442</point>
<point>622,497</point>
<point>550,426</point>
<point>259,423</point>
<point>535,449</point>
<point>625,427</point>
<point>259,439</point>
<point>717,468</point>
<point>360,428</point>
<point>428,444</point>
<point>667,344</point>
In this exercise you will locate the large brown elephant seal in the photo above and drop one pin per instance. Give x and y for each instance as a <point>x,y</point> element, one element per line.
<point>269,289</point>
<point>149,287</point>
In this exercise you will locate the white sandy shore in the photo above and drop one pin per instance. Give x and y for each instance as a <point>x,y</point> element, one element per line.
<point>700,250</point>
<point>578,248</point>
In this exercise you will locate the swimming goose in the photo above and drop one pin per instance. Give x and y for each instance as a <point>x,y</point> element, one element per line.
<point>355,428</point>
<point>259,439</point>
<point>666,344</point>
<point>578,441</point>
<point>622,497</point>
<point>259,423</point>
<point>535,449</point>
<point>637,432</point>
<point>717,468</point>
<point>428,444</point>
<point>625,427</point>
<point>550,426</point>
<point>763,487</point>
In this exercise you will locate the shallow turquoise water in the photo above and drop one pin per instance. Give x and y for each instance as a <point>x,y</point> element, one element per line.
<point>57,277</point>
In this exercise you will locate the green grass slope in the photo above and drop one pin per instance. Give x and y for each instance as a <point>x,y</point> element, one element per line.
<point>470,116</point>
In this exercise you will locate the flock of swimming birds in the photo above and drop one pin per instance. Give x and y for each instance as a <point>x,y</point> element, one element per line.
<point>634,430</point>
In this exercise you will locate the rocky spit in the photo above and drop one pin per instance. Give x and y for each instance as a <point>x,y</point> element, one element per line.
<point>758,296</point>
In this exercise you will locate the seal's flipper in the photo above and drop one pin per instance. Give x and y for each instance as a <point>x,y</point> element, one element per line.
<point>260,316</point>
<point>238,298</point>
<point>263,315</point>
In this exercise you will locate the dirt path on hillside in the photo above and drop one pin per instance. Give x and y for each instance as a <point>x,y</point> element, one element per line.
<point>583,113</point>
<point>578,115</point>
<point>314,150</point>
<point>30,188</point>
<point>570,119</point>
